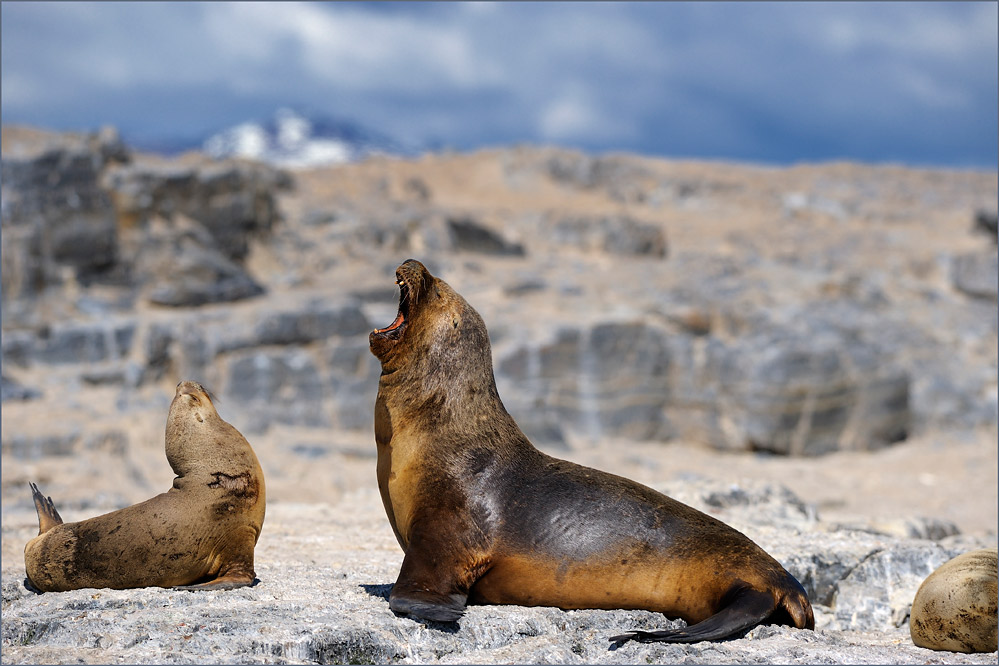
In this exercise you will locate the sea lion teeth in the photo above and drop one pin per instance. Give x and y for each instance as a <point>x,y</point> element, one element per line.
<point>200,534</point>
<point>484,517</point>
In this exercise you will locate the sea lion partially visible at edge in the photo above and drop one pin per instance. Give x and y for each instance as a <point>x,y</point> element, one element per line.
<point>199,535</point>
<point>485,517</point>
<point>955,608</point>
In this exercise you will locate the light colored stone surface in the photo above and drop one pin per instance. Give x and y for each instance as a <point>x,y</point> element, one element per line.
<point>325,571</point>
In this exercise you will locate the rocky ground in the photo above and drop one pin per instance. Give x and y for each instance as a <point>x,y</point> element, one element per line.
<point>808,353</point>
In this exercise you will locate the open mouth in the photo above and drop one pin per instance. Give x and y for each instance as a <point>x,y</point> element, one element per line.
<point>395,330</point>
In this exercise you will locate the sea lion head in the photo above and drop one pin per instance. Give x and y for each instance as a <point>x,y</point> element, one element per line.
<point>192,429</point>
<point>436,336</point>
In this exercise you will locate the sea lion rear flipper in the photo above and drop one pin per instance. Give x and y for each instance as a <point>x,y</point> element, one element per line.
<point>48,517</point>
<point>748,608</point>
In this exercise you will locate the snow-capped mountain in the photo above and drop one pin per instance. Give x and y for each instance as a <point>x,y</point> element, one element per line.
<point>292,139</point>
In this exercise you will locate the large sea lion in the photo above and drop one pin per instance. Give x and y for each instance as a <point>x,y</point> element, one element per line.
<point>955,607</point>
<point>200,534</point>
<point>484,517</point>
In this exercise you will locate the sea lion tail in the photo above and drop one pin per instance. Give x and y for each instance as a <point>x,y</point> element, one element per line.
<point>48,517</point>
<point>748,607</point>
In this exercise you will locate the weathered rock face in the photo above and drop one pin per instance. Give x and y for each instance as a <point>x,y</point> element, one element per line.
<point>774,391</point>
<point>779,340</point>
<point>607,380</point>
<point>57,220</point>
<point>232,202</point>
<point>178,263</point>
<point>80,208</point>
<point>617,235</point>
<point>977,274</point>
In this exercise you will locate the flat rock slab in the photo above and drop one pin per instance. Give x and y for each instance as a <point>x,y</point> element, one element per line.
<point>303,614</point>
<point>325,574</point>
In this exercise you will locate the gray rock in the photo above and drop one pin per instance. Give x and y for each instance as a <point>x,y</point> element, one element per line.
<point>74,343</point>
<point>55,216</point>
<point>316,322</point>
<point>625,180</point>
<point>468,235</point>
<point>277,387</point>
<point>17,347</point>
<point>606,381</point>
<point>977,274</point>
<point>612,234</point>
<point>878,592</point>
<point>987,222</point>
<point>773,391</point>
<point>808,397</point>
<point>24,447</point>
<point>233,202</point>
<point>11,389</point>
<point>354,373</point>
<point>182,267</point>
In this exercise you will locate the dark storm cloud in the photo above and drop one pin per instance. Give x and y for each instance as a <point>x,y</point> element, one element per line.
<point>913,82</point>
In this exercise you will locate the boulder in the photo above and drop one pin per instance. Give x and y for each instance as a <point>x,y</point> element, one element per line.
<point>606,381</point>
<point>468,235</point>
<point>771,391</point>
<point>11,389</point>
<point>977,274</point>
<point>180,265</point>
<point>614,234</point>
<point>987,222</point>
<point>280,386</point>
<point>57,220</point>
<point>71,343</point>
<point>232,201</point>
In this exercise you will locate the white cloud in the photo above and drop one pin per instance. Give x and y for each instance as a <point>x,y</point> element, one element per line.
<point>574,116</point>
<point>347,47</point>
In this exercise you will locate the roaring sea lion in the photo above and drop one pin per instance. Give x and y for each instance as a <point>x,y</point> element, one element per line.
<point>484,517</point>
<point>200,534</point>
<point>955,607</point>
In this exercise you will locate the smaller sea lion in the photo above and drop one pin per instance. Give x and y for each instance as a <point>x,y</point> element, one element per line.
<point>198,535</point>
<point>955,607</point>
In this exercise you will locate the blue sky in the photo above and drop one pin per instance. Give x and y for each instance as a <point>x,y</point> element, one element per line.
<point>785,82</point>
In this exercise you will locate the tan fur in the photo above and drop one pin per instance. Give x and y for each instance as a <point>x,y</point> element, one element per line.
<point>956,607</point>
<point>201,532</point>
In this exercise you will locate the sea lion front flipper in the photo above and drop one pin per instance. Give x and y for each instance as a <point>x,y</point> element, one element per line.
<point>48,517</point>
<point>748,608</point>
<point>426,589</point>
<point>228,582</point>
<point>236,572</point>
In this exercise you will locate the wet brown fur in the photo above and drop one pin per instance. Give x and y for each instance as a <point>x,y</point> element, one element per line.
<point>483,516</point>
<point>201,532</point>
